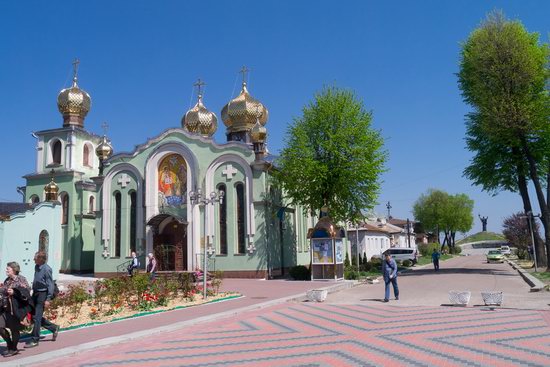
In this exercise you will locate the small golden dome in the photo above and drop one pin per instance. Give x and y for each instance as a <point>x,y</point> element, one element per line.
<point>104,149</point>
<point>74,104</point>
<point>51,189</point>
<point>199,120</point>
<point>258,133</point>
<point>241,113</point>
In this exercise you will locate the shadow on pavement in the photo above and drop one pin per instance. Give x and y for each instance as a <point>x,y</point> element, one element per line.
<point>373,299</point>
<point>480,271</point>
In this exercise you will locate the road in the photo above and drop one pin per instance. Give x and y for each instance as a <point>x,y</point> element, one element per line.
<point>353,328</point>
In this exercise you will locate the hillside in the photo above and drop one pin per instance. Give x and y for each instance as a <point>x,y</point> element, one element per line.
<point>482,236</point>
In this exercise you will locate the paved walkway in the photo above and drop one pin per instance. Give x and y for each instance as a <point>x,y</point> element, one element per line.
<point>258,293</point>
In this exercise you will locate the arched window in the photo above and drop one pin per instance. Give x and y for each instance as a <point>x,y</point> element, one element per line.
<point>222,219</point>
<point>133,220</point>
<point>118,213</point>
<point>86,155</point>
<point>34,199</point>
<point>241,244</point>
<point>43,241</point>
<point>65,209</point>
<point>56,152</point>
<point>91,204</point>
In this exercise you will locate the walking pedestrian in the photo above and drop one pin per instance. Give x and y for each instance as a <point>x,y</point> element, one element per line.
<point>389,271</point>
<point>435,259</point>
<point>152,266</point>
<point>42,293</point>
<point>134,264</point>
<point>16,302</point>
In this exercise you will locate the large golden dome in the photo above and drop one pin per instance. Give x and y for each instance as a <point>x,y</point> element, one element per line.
<point>199,120</point>
<point>241,113</point>
<point>74,104</point>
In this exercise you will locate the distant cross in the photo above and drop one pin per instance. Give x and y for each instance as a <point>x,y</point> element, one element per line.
<point>105,126</point>
<point>388,206</point>
<point>124,180</point>
<point>210,251</point>
<point>229,171</point>
<point>105,253</point>
<point>199,84</point>
<point>244,70</point>
<point>75,67</point>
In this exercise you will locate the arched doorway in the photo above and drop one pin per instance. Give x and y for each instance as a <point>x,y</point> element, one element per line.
<point>169,242</point>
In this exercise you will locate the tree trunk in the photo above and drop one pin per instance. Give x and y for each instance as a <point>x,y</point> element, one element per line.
<point>524,193</point>
<point>544,215</point>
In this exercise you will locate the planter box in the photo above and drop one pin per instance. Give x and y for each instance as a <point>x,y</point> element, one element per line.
<point>317,295</point>
<point>492,298</point>
<point>373,280</point>
<point>459,298</point>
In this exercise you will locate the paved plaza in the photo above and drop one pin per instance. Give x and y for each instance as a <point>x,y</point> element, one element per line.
<point>352,328</point>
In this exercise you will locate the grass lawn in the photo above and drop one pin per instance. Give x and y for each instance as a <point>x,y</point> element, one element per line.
<point>482,236</point>
<point>542,275</point>
<point>423,260</point>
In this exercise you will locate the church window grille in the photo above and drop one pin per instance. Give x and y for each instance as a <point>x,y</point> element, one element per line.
<point>118,214</point>
<point>241,245</point>
<point>65,209</point>
<point>56,152</point>
<point>34,199</point>
<point>133,220</point>
<point>43,241</point>
<point>86,155</point>
<point>222,218</point>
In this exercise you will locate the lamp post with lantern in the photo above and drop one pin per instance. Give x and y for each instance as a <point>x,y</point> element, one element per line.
<point>197,198</point>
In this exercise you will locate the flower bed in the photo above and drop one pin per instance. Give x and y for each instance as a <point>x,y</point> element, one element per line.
<point>124,297</point>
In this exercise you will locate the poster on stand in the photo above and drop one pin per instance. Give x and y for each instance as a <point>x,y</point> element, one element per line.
<point>322,251</point>
<point>339,249</point>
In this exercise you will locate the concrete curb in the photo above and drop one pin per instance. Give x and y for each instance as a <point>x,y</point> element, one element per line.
<point>40,358</point>
<point>535,284</point>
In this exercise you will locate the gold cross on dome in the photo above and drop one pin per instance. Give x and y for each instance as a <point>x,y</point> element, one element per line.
<point>244,70</point>
<point>199,84</point>
<point>75,67</point>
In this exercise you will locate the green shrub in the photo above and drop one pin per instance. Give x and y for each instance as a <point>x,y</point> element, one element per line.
<point>407,263</point>
<point>346,261</point>
<point>456,250</point>
<point>366,266</point>
<point>426,249</point>
<point>375,262</point>
<point>364,258</point>
<point>351,275</point>
<point>299,272</point>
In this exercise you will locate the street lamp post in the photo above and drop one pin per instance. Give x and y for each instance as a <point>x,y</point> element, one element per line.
<point>198,199</point>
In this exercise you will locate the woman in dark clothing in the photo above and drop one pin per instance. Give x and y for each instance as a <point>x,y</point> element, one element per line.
<point>15,304</point>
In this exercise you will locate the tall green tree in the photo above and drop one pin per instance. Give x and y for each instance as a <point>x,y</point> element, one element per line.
<point>504,76</point>
<point>441,212</point>
<point>333,156</point>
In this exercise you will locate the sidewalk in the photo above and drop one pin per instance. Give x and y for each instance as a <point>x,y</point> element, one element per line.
<point>257,294</point>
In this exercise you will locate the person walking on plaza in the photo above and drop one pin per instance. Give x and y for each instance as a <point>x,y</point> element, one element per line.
<point>389,271</point>
<point>435,259</point>
<point>15,304</point>
<point>42,293</point>
<point>134,264</point>
<point>152,267</point>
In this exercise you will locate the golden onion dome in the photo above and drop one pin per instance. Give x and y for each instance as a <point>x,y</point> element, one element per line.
<point>258,133</point>
<point>51,187</point>
<point>241,113</point>
<point>74,104</point>
<point>199,120</point>
<point>104,149</point>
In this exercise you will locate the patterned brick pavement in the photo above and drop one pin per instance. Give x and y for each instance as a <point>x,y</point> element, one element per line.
<point>366,334</point>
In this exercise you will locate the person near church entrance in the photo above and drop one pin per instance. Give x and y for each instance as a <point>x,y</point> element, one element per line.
<point>152,267</point>
<point>16,302</point>
<point>134,264</point>
<point>389,271</point>
<point>435,259</point>
<point>42,293</point>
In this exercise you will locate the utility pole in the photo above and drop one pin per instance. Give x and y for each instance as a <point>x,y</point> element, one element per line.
<point>388,206</point>
<point>530,217</point>
<point>409,233</point>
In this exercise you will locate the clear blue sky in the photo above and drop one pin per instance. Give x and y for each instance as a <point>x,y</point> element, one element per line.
<point>139,60</point>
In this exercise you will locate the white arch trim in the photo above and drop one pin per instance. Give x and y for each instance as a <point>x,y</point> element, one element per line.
<point>106,201</point>
<point>210,186</point>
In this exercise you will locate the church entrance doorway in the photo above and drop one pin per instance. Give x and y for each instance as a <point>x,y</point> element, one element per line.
<point>169,242</point>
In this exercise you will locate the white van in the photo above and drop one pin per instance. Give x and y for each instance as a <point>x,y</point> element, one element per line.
<point>402,253</point>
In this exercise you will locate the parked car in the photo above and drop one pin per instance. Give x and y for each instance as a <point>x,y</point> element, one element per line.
<point>495,256</point>
<point>400,254</point>
<point>505,250</point>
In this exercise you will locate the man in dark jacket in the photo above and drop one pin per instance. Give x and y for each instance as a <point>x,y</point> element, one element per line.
<point>42,293</point>
<point>389,271</point>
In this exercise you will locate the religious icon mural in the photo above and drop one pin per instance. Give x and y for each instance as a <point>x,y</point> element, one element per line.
<point>172,186</point>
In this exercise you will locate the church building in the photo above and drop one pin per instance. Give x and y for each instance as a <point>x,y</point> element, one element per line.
<point>179,195</point>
